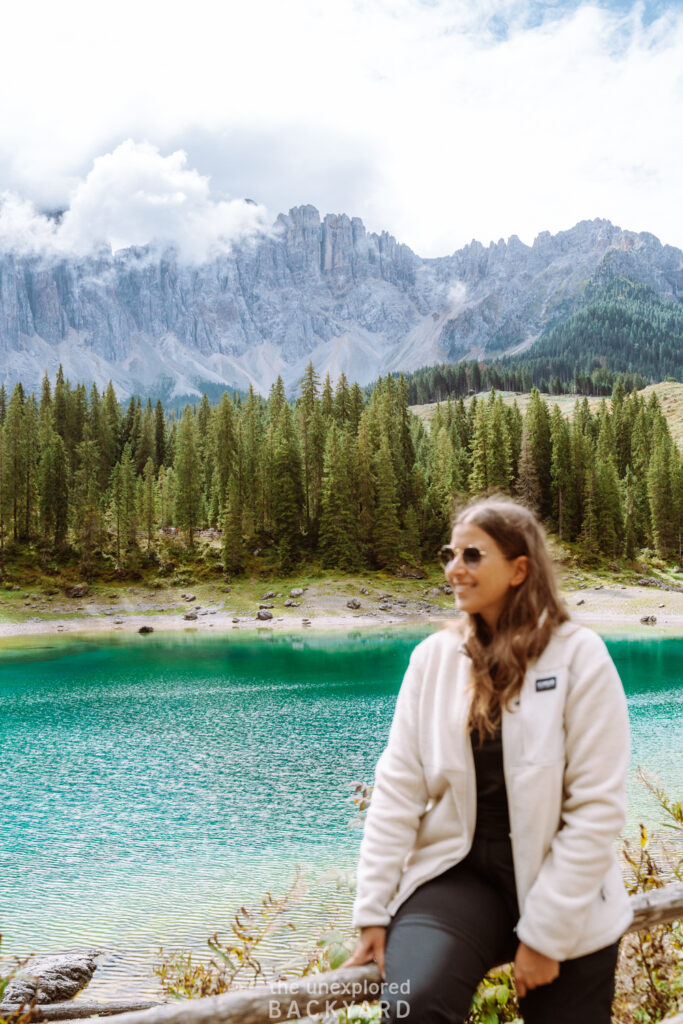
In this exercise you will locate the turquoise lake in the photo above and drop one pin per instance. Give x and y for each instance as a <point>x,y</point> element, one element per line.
<point>150,786</point>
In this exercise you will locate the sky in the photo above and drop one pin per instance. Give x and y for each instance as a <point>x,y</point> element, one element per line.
<point>439,121</point>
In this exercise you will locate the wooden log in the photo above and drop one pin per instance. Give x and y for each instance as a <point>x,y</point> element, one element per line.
<point>657,906</point>
<point>70,1010</point>
<point>279,1001</point>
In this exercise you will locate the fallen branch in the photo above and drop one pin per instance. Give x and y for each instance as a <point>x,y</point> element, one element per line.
<point>70,1010</point>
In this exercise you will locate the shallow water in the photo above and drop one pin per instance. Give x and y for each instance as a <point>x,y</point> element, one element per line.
<point>153,785</point>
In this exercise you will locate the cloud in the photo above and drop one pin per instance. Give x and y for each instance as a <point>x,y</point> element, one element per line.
<point>134,196</point>
<point>439,121</point>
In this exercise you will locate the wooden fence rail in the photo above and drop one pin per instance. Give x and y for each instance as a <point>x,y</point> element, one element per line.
<point>302,997</point>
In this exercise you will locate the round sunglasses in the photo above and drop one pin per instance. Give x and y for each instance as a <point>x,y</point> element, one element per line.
<point>471,556</point>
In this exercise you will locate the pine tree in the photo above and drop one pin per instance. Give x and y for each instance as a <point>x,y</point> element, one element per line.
<point>253,463</point>
<point>355,408</point>
<point>537,422</point>
<point>479,480</point>
<point>590,535</point>
<point>327,400</point>
<point>78,416</point>
<point>677,502</point>
<point>109,437</point>
<point>561,475</point>
<point>608,507</point>
<point>515,425</point>
<point>146,445</point>
<point>148,504</point>
<point>338,539</point>
<point>527,487</point>
<point>607,490</point>
<point>188,471</point>
<point>223,444</point>
<point>499,450</point>
<point>580,445</point>
<point>276,400</point>
<point>4,501</point>
<point>31,460</point>
<point>232,543</point>
<point>116,509</point>
<point>621,427</point>
<point>312,433</point>
<point>365,489</point>
<point>387,532</point>
<point>445,482</point>
<point>342,401</point>
<point>287,500</point>
<point>166,495</point>
<point>85,511</point>
<point>404,447</point>
<point>53,491</point>
<point>130,504</point>
<point>630,542</point>
<point>659,480</point>
<point>60,406</point>
<point>15,457</point>
<point>94,414</point>
<point>46,417</point>
<point>159,436</point>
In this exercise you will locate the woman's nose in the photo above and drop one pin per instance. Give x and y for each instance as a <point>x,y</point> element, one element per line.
<point>456,564</point>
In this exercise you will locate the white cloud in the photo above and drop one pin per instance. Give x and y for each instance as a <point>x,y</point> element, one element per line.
<point>134,196</point>
<point>439,120</point>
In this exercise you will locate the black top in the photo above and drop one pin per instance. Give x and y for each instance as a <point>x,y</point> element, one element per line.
<point>493,819</point>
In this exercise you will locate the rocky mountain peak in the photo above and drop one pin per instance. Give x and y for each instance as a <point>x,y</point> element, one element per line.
<point>320,289</point>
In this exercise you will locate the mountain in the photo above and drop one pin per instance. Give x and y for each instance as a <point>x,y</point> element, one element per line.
<point>322,290</point>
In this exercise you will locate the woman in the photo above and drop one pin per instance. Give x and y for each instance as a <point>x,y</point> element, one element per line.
<point>497,802</point>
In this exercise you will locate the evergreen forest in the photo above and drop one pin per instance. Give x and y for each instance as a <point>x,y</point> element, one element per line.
<point>623,331</point>
<point>335,479</point>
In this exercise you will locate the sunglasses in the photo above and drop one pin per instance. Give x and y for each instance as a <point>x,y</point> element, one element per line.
<point>471,556</point>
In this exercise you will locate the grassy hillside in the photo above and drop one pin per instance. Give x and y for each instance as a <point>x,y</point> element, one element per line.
<point>669,393</point>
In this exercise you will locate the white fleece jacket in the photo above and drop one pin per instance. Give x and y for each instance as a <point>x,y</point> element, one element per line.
<point>565,755</point>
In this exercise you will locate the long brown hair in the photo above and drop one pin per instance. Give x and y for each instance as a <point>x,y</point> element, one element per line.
<point>532,611</point>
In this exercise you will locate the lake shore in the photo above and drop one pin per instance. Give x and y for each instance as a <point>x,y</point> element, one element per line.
<point>323,606</point>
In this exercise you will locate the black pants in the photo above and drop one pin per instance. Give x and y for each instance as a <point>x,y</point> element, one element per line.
<point>455,928</point>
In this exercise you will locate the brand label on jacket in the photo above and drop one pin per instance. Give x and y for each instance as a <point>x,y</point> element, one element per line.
<point>549,683</point>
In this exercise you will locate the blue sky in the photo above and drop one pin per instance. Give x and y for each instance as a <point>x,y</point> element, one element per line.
<point>437,120</point>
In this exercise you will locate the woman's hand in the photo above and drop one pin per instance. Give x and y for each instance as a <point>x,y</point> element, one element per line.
<point>533,969</point>
<point>370,946</point>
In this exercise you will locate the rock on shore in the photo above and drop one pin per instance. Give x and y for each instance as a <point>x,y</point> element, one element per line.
<point>53,977</point>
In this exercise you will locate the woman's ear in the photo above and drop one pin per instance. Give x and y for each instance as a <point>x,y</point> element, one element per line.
<point>521,570</point>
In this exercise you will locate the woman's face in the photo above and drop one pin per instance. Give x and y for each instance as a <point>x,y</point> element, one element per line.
<point>482,589</point>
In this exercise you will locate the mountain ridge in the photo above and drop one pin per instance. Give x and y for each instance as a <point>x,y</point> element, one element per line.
<point>315,289</point>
